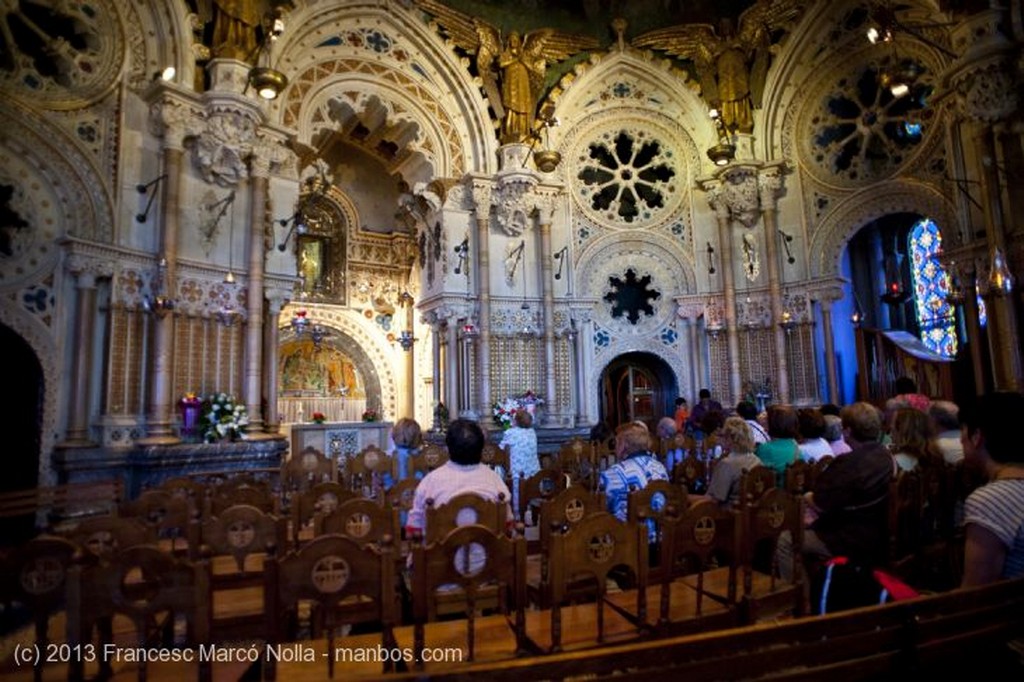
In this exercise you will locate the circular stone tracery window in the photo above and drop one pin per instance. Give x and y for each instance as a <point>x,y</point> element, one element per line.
<point>860,131</point>
<point>627,177</point>
<point>63,55</point>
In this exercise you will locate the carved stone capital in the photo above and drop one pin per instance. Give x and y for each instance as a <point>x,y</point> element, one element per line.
<point>769,186</point>
<point>171,119</point>
<point>87,269</point>
<point>735,193</point>
<point>982,77</point>
<point>224,144</point>
<point>689,310</point>
<point>480,194</point>
<point>514,207</point>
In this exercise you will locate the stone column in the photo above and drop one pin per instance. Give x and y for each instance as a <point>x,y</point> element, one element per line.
<point>545,217</point>
<point>584,356</point>
<point>451,368</point>
<point>769,185</point>
<point>1004,343</point>
<point>253,381</point>
<point>408,405</point>
<point>271,336</point>
<point>437,372</point>
<point>159,421</point>
<point>729,285</point>
<point>85,316</point>
<point>973,328</point>
<point>985,81</point>
<point>482,218</point>
<point>831,373</point>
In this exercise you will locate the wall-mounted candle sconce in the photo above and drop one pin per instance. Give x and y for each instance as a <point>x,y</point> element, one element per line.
<point>786,239</point>
<point>560,257</point>
<point>711,259</point>
<point>150,188</point>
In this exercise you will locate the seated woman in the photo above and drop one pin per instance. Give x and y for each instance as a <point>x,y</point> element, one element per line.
<point>994,513</point>
<point>406,437</point>
<point>912,444</point>
<point>738,441</point>
<point>813,445</point>
<point>783,426</point>
<point>666,431</point>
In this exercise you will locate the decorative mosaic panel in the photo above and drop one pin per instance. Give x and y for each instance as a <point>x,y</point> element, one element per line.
<point>718,356</point>
<point>803,375</point>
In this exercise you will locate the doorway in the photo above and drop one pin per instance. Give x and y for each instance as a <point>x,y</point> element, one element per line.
<point>22,439</point>
<point>637,386</point>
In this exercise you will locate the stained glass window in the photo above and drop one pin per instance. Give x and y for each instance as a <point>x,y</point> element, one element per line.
<point>936,318</point>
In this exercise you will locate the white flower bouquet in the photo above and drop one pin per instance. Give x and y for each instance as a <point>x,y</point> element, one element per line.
<point>223,417</point>
<point>504,411</point>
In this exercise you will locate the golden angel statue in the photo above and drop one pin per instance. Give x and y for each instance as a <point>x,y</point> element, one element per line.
<point>513,72</point>
<point>731,65</point>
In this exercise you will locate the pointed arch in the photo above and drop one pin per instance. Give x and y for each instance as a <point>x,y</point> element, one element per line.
<point>350,54</point>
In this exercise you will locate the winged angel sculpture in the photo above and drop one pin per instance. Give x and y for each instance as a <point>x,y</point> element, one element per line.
<point>513,72</point>
<point>731,65</point>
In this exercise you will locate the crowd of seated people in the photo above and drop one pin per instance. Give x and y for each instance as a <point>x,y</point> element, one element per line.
<point>846,505</point>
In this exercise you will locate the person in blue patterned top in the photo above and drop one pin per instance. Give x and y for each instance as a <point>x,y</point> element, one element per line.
<point>635,468</point>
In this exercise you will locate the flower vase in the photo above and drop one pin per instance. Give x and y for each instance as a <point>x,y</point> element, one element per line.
<point>191,407</point>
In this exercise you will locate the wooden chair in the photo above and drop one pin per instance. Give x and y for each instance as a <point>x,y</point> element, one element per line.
<point>495,456</point>
<point>651,505</point>
<point>35,575</point>
<point>767,592</point>
<point>576,459</point>
<point>557,515</point>
<point>322,498</point>
<point>478,563</point>
<point>796,477</point>
<point>594,547</point>
<point>427,459</point>
<point>195,492</point>
<point>237,542</point>
<point>363,520</point>
<point>167,515</point>
<point>755,481</point>
<point>817,467</point>
<point>242,491</point>
<point>906,505</point>
<point>463,510</point>
<point>691,473</point>
<point>543,485</point>
<point>104,536</point>
<point>307,468</point>
<point>364,471</point>
<point>703,537</point>
<point>400,497</point>
<point>695,538</point>
<point>346,584</point>
<point>762,591</point>
<point>147,586</point>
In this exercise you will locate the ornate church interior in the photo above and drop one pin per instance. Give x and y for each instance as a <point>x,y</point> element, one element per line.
<point>235,230</point>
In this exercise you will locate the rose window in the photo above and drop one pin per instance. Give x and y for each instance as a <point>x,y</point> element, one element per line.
<point>57,52</point>
<point>869,124</point>
<point>626,176</point>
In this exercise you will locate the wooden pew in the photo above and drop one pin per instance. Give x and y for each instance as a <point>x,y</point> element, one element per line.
<point>905,640</point>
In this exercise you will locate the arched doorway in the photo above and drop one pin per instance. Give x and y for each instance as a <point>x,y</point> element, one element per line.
<point>22,439</point>
<point>637,386</point>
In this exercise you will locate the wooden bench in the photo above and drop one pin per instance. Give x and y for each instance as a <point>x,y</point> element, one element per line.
<point>909,638</point>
